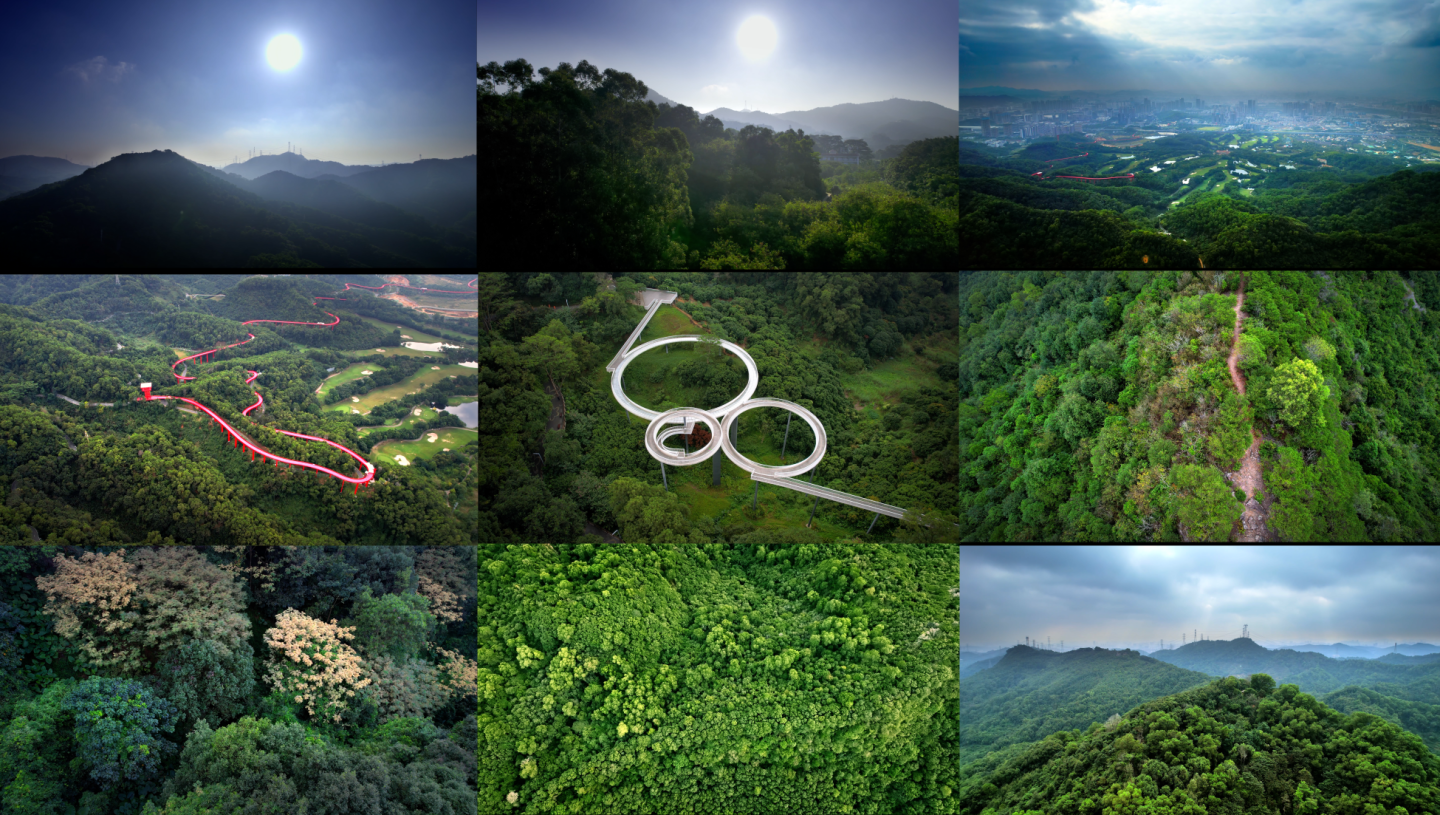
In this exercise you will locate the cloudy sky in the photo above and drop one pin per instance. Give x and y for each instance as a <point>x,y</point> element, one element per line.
<point>375,81</point>
<point>1133,596</point>
<point>1215,47</point>
<point>688,51</point>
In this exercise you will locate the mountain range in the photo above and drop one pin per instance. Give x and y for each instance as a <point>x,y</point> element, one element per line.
<point>880,124</point>
<point>161,209</point>
<point>294,164</point>
<point>24,173</point>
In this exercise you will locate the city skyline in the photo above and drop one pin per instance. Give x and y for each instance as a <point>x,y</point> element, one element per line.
<point>1135,595</point>
<point>359,83</point>
<point>1222,47</point>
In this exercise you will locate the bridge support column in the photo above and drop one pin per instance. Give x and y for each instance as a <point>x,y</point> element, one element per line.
<point>662,475</point>
<point>872,522</point>
<point>755,503</point>
<point>788,417</point>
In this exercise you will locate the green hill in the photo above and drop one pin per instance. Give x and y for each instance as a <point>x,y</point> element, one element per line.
<point>1227,747</point>
<point>1311,671</point>
<point>1031,693</point>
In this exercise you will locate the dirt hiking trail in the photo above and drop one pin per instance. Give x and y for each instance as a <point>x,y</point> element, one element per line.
<point>1248,479</point>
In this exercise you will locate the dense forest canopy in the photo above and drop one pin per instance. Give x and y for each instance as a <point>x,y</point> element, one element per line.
<point>233,679</point>
<point>1098,406</point>
<point>871,355</point>
<point>718,678</point>
<point>587,174</point>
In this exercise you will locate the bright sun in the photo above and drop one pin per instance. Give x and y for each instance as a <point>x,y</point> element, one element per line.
<point>283,52</point>
<point>756,37</point>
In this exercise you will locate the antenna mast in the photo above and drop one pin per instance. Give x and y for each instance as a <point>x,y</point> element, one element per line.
<point>1245,633</point>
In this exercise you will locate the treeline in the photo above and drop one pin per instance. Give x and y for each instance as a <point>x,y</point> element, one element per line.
<point>577,151</point>
<point>415,431</point>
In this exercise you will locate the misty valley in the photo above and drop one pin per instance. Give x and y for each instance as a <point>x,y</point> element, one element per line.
<point>160,209</point>
<point>592,170</point>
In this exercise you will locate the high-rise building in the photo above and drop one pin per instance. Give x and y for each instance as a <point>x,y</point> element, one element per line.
<point>985,126</point>
<point>1009,129</point>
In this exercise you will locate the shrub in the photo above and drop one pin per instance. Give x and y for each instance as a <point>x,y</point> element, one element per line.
<point>1240,496</point>
<point>118,723</point>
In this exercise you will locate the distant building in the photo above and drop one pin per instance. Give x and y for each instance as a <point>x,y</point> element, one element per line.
<point>985,126</point>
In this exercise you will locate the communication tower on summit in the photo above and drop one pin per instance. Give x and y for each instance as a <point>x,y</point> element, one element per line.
<point>1245,633</point>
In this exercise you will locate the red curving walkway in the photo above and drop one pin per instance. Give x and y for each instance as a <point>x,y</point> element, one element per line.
<point>1083,178</point>
<point>241,439</point>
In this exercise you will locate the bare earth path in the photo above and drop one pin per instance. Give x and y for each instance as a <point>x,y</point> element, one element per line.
<point>1248,479</point>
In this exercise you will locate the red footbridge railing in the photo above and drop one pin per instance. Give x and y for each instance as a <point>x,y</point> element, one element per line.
<point>240,439</point>
<point>1084,178</point>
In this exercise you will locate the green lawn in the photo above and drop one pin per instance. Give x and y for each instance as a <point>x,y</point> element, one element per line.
<point>406,332</point>
<point>651,381</point>
<point>887,380</point>
<point>380,396</point>
<point>667,322</point>
<point>409,420</point>
<point>348,374</point>
<point>454,438</point>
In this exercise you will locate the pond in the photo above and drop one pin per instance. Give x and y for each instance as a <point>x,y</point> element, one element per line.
<point>469,412</point>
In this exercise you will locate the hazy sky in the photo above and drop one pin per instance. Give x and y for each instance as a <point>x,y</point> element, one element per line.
<point>1217,46</point>
<point>376,80</point>
<point>1134,595</point>
<point>825,53</point>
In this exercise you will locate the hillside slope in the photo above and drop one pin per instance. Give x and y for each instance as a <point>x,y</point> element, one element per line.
<point>1227,747</point>
<point>1031,693</point>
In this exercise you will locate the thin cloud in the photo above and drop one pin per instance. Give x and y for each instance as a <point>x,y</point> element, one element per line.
<point>99,68</point>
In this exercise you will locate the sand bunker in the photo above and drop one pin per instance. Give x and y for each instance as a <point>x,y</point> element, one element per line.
<point>434,367</point>
<point>381,350</point>
<point>367,373</point>
<point>354,398</point>
<point>353,410</point>
<point>406,337</point>
<point>402,461</point>
<point>417,411</point>
<point>446,450</point>
<point>452,376</point>
<point>431,438</point>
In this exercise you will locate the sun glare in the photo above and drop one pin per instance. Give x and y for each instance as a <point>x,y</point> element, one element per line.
<point>283,52</point>
<point>756,37</point>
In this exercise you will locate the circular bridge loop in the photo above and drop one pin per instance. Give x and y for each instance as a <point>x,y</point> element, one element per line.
<point>646,413</point>
<point>656,432</point>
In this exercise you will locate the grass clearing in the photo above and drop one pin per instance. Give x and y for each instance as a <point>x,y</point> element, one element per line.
<point>408,420</point>
<point>348,374</point>
<point>454,438</point>
<point>885,382</point>
<point>413,334</point>
<point>652,382</point>
<point>668,322</point>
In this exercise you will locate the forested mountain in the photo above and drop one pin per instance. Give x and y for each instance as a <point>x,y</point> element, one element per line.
<point>1098,406</point>
<point>976,666</point>
<point>1313,672</point>
<point>562,461</point>
<point>1369,652</point>
<point>234,679</point>
<point>23,173</point>
<point>1230,746</point>
<point>160,209</point>
<point>584,173</point>
<point>82,461</point>
<point>718,678</point>
<point>1030,693</point>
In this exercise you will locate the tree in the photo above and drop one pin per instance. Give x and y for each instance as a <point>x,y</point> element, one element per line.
<point>118,723</point>
<point>206,679</point>
<point>394,625</point>
<point>86,597</point>
<point>1207,508</point>
<point>648,512</point>
<point>1298,390</point>
<point>310,660</point>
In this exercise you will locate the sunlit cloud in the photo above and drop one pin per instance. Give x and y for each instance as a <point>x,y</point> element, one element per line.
<point>99,68</point>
